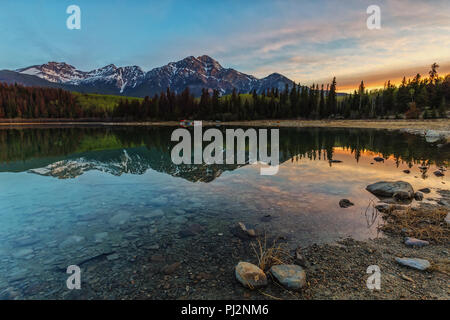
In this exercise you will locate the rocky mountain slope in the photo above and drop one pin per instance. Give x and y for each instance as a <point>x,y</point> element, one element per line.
<point>193,72</point>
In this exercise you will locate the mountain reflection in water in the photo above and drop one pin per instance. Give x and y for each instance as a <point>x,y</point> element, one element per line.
<point>69,152</point>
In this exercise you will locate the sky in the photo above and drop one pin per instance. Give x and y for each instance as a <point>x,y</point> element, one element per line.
<point>307,41</point>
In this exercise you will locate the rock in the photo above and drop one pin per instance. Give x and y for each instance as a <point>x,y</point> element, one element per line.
<point>289,275</point>
<point>383,207</point>
<point>70,241</point>
<point>119,218</point>
<point>415,263</point>
<point>250,276</point>
<point>9,294</point>
<point>425,190</point>
<point>378,159</point>
<point>405,277</point>
<point>398,189</point>
<point>112,257</point>
<point>432,136</point>
<point>299,258</point>
<point>345,203</point>
<point>157,213</point>
<point>243,232</point>
<point>250,232</point>
<point>99,237</point>
<point>25,241</point>
<point>444,203</point>
<point>191,230</point>
<point>438,173</point>
<point>266,218</point>
<point>447,218</point>
<point>402,195</point>
<point>21,253</point>
<point>413,242</point>
<point>407,171</point>
<point>418,196</point>
<point>171,268</point>
<point>157,258</point>
<point>335,161</point>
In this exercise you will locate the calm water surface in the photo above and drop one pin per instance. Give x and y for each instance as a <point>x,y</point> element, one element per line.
<point>98,197</point>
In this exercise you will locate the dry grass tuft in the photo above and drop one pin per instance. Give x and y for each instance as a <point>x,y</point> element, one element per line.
<point>442,265</point>
<point>270,256</point>
<point>424,224</point>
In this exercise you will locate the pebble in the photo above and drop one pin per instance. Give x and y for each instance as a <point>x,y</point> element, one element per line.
<point>438,173</point>
<point>425,190</point>
<point>415,263</point>
<point>413,242</point>
<point>345,203</point>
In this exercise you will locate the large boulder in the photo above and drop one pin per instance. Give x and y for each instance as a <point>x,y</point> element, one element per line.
<point>250,276</point>
<point>289,275</point>
<point>399,189</point>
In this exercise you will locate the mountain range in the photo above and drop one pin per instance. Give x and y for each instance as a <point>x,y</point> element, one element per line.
<point>193,72</point>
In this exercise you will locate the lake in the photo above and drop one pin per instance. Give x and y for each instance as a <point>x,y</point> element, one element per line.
<point>110,200</point>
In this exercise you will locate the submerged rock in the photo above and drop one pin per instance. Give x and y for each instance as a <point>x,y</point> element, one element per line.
<point>99,237</point>
<point>444,203</point>
<point>289,275</point>
<point>249,231</point>
<point>378,159</point>
<point>120,218</point>
<point>438,173</point>
<point>415,263</point>
<point>413,242</point>
<point>243,231</point>
<point>418,196</point>
<point>21,253</point>
<point>171,268</point>
<point>432,136</point>
<point>112,257</point>
<point>345,203</point>
<point>398,189</point>
<point>425,190</point>
<point>250,276</point>
<point>191,230</point>
<point>407,171</point>
<point>70,241</point>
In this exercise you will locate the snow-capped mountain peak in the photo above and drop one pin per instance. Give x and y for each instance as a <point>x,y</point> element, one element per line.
<point>193,72</point>
<point>59,72</point>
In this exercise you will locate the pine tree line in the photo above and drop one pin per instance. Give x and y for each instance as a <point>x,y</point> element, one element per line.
<point>418,97</point>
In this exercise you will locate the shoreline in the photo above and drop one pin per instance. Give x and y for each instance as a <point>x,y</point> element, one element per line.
<point>433,130</point>
<point>432,124</point>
